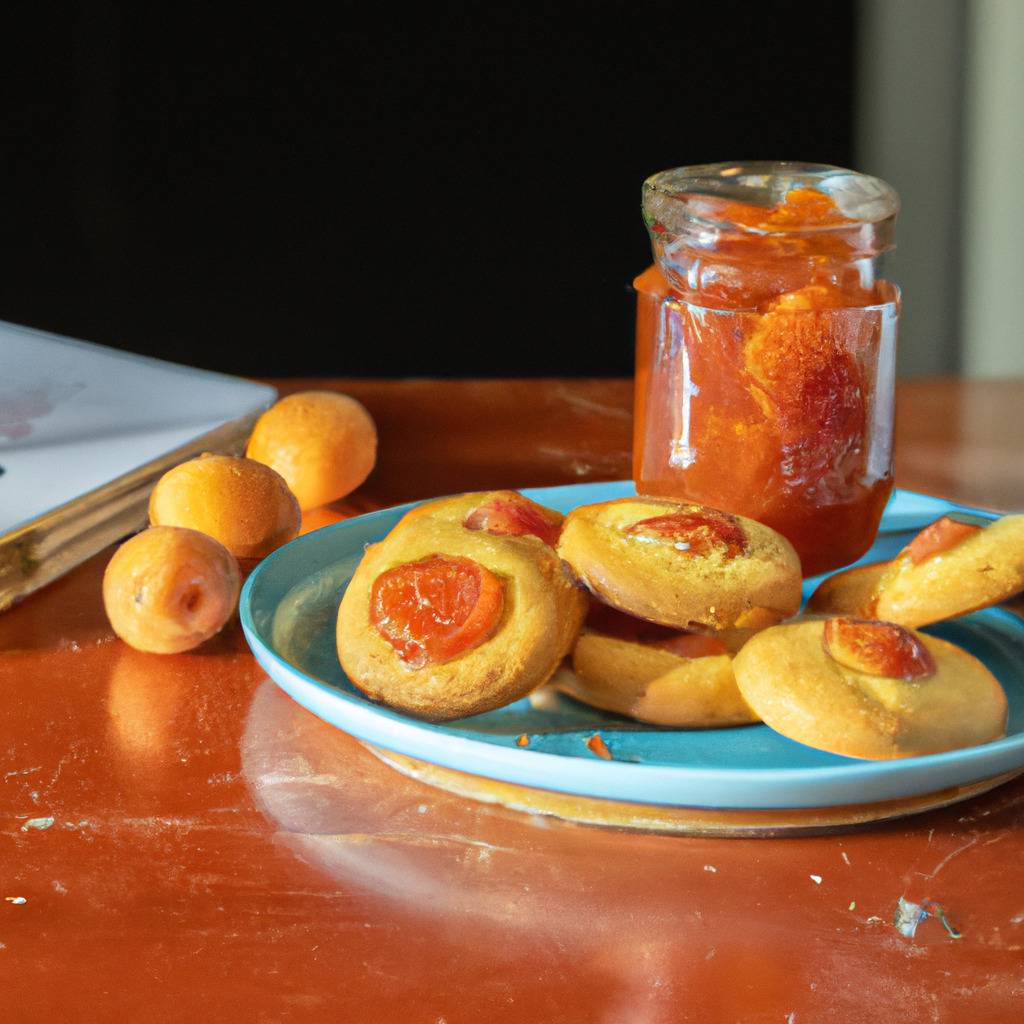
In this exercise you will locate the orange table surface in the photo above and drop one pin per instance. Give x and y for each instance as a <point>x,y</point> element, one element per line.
<point>217,853</point>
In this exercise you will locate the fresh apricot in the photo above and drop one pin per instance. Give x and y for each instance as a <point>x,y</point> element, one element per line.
<point>244,504</point>
<point>168,589</point>
<point>324,445</point>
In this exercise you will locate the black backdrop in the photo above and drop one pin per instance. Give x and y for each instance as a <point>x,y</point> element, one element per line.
<point>450,191</point>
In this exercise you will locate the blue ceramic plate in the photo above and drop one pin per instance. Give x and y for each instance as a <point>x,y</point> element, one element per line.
<point>288,610</point>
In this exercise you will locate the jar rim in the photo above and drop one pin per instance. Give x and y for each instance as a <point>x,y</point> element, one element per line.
<point>679,192</point>
<point>890,305</point>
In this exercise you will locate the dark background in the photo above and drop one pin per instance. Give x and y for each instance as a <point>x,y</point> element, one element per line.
<point>450,191</point>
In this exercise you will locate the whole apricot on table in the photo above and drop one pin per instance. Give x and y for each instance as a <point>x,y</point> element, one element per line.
<point>240,502</point>
<point>168,589</point>
<point>324,445</point>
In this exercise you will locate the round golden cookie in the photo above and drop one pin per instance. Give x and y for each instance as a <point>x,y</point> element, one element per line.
<point>499,513</point>
<point>654,685</point>
<point>804,692</point>
<point>733,573</point>
<point>540,615</point>
<point>916,588</point>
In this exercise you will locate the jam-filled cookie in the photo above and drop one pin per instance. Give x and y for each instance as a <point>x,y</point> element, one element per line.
<point>654,674</point>
<point>459,611</point>
<point>869,689</point>
<point>956,565</point>
<point>681,564</point>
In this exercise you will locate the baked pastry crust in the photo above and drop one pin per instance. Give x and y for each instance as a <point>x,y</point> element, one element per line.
<point>982,570</point>
<point>541,616</point>
<point>978,572</point>
<point>850,592</point>
<point>652,579</point>
<point>798,689</point>
<point>654,685</point>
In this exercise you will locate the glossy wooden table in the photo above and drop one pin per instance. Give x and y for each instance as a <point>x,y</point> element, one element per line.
<point>216,853</point>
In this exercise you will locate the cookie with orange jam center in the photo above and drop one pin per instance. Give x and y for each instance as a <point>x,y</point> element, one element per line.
<point>956,565</point>
<point>869,689</point>
<point>462,608</point>
<point>682,564</point>
<point>653,674</point>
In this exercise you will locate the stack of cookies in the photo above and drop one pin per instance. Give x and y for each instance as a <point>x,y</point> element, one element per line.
<point>675,614</point>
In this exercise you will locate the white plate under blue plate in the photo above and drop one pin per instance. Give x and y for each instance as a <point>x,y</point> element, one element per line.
<point>288,611</point>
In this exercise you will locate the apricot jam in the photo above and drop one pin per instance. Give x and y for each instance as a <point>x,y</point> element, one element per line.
<point>435,609</point>
<point>696,533</point>
<point>941,536</point>
<point>515,516</point>
<point>766,350</point>
<point>878,649</point>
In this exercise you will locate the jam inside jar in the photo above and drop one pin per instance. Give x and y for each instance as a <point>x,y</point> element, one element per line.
<point>766,347</point>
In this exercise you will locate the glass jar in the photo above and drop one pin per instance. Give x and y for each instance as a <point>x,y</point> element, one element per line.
<point>766,346</point>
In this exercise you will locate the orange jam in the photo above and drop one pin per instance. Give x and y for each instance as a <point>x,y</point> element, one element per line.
<point>939,537</point>
<point>765,352</point>
<point>435,609</point>
<point>877,648</point>
<point>515,516</point>
<point>696,533</point>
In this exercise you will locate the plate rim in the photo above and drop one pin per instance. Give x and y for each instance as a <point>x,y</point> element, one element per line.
<point>587,775</point>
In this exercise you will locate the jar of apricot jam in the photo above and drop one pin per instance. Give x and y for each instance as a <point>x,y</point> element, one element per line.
<point>766,345</point>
